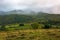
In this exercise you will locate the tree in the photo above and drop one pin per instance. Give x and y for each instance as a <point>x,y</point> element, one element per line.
<point>47,26</point>
<point>35,25</point>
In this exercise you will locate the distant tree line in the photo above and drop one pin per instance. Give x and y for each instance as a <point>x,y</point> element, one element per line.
<point>39,18</point>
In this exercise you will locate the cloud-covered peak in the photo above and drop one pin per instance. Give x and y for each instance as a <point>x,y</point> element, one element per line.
<point>43,5</point>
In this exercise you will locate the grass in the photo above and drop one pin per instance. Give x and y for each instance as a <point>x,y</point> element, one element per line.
<point>41,34</point>
<point>17,27</point>
<point>16,32</point>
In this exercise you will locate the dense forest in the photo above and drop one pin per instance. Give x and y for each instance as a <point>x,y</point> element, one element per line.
<point>21,18</point>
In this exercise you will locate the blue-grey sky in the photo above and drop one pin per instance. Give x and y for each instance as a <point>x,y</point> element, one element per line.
<point>43,5</point>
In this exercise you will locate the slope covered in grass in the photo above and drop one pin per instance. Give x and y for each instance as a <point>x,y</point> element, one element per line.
<point>41,34</point>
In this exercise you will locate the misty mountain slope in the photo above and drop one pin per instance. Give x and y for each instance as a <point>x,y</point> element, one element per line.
<point>25,12</point>
<point>21,18</point>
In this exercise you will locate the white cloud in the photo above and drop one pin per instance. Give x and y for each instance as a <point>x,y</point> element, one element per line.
<point>24,4</point>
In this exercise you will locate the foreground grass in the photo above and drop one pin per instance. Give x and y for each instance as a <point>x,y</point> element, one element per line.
<point>41,34</point>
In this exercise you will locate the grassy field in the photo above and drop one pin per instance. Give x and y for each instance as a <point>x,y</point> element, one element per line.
<point>41,34</point>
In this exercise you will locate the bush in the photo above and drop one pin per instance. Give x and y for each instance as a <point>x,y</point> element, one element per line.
<point>47,26</point>
<point>3,28</point>
<point>21,24</point>
<point>35,25</point>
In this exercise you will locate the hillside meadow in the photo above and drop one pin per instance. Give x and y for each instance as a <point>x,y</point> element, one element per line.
<point>39,34</point>
<point>30,27</point>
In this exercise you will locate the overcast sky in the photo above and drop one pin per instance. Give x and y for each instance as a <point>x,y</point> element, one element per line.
<point>27,4</point>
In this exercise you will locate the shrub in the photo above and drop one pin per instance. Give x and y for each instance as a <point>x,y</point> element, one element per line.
<point>3,28</point>
<point>35,25</point>
<point>47,26</point>
<point>21,24</point>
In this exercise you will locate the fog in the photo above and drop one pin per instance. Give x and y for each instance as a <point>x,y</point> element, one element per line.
<point>37,5</point>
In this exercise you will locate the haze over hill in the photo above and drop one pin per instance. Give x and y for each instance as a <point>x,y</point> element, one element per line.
<point>50,6</point>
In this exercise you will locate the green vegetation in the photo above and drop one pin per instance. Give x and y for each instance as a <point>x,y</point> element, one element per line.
<point>53,19</point>
<point>47,26</point>
<point>40,26</point>
<point>21,24</point>
<point>26,26</point>
<point>35,25</point>
<point>36,21</point>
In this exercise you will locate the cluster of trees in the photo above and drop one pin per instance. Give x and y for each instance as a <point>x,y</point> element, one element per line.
<point>15,18</point>
<point>33,25</point>
<point>42,18</point>
<point>36,26</point>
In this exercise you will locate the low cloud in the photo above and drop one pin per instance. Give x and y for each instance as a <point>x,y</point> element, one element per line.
<point>27,4</point>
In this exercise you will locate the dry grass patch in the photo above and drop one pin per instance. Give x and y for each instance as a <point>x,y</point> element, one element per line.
<point>41,34</point>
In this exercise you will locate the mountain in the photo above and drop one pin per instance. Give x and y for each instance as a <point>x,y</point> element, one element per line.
<point>2,13</point>
<point>50,10</point>
<point>25,12</point>
<point>39,17</point>
<point>11,12</point>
